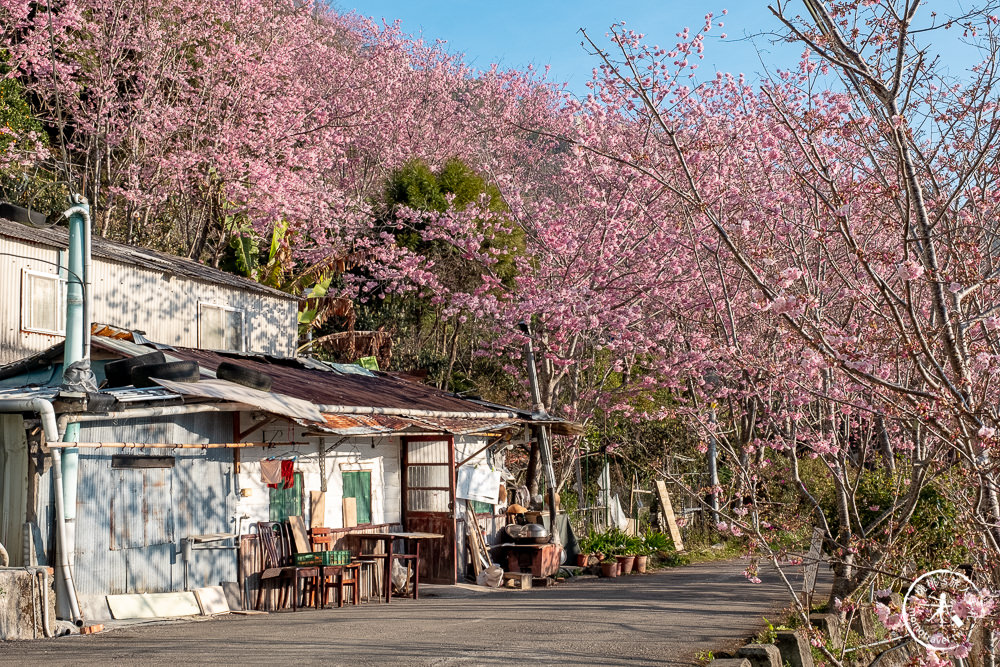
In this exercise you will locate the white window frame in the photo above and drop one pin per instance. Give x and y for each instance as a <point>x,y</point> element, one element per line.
<point>26,311</point>
<point>230,309</point>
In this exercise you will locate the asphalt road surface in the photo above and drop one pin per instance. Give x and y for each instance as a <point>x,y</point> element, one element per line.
<point>663,618</point>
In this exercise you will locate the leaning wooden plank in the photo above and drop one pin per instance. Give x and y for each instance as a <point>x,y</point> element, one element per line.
<point>668,512</point>
<point>812,561</point>
<point>483,549</point>
<point>299,534</point>
<point>470,539</point>
<point>154,605</point>
<point>480,560</point>
<point>350,512</point>
<point>317,508</point>
<point>212,600</point>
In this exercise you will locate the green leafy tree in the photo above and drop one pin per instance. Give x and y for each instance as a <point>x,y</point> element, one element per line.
<point>427,339</point>
<point>23,180</point>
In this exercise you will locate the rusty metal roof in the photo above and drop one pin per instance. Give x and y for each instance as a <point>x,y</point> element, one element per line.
<point>292,378</point>
<point>58,237</point>
<point>373,425</point>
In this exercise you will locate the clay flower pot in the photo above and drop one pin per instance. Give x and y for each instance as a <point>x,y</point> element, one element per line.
<point>582,560</point>
<point>625,562</point>
<point>640,564</point>
<point>609,569</point>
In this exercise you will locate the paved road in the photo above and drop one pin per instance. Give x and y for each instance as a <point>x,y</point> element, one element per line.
<point>662,618</point>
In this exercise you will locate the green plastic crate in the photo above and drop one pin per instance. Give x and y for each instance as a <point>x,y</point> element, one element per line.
<point>336,557</point>
<point>308,559</point>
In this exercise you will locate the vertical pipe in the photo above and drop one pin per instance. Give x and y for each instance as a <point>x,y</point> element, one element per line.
<point>74,347</point>
<point>50,431</point>
<point>77,347</point>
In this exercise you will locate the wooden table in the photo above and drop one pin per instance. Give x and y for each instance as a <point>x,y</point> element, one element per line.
<point>388,539</point>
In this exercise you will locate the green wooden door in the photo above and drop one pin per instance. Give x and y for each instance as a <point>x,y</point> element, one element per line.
<point>358,485</point>
<point>286,502</point>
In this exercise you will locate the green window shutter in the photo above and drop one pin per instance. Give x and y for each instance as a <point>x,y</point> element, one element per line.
<point>358,485</point>
<point>481,507</point>
<point>283,503</point>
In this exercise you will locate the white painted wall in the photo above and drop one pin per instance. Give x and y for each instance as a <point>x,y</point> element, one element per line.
<point>379,455</point>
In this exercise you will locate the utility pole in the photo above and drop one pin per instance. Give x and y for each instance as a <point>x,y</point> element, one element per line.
<point>713,471</point>
<point>538,412</point>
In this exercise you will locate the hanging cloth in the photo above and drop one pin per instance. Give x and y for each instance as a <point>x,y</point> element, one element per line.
<point>288,473</point>
<point>270,472</point>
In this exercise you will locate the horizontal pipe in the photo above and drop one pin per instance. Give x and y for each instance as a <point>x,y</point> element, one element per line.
<point>407,412</point>
<point>141,413</point>
<point>168,445</point>
<point>39,405</point>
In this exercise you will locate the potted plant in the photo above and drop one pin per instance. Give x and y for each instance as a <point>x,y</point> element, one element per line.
<point>625,563</point>
<point>623,550</point>
<point>645,550</point>
<point>637,547</point>
<point>609,567</point>
<point>652,543</point>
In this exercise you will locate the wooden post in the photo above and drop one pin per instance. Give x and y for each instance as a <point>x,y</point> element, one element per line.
<point>812,567</point>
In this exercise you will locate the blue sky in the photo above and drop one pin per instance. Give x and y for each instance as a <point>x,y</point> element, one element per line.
<point>544,32</point>
<point>516,33</point>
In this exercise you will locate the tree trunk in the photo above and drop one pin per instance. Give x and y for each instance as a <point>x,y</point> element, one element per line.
<point>534,473</point>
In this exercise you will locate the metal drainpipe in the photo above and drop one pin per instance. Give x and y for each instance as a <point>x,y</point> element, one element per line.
<point>77,347</point>
<point>82,211</point>
<point>51,431</point>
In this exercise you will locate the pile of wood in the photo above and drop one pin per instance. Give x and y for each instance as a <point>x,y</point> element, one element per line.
<point>478,550</point>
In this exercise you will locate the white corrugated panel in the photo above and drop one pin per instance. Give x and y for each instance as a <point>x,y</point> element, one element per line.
<point>17,258</point>
<point>166,308</point>
<point>162,305</point>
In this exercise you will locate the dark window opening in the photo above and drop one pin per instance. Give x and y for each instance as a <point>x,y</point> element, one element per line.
<point>128,462</point>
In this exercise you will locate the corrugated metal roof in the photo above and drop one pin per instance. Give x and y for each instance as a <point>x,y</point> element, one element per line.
<point>378,390</point>
<point>272,402</point>
<point>310,384</point>
<point>371,425</point>
<point>58,237</point>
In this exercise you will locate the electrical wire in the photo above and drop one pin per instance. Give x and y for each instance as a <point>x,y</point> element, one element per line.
<point>59,266</point>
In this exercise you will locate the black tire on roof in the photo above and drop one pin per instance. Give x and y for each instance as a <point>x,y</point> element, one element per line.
<point>119,373</point>
<point>23,215</point>
<point>247,377</point>
<point>178,371</point>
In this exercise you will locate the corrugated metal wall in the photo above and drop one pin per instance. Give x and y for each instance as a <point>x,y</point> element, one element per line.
<point>164,306</point>
<point>15,258</point>
<point>130,522</point>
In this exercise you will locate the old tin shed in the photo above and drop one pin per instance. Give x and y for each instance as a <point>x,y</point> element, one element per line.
<point>176,300</point>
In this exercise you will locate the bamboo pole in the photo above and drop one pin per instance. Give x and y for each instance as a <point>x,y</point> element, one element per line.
<point>162,445</point>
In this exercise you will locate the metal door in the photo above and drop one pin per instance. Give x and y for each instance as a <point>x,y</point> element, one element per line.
<point>429,503</point>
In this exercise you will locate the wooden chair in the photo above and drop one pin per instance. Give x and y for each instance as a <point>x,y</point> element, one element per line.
<point>277,563</point>
<point>333,576</point>
<point>408,560</point>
